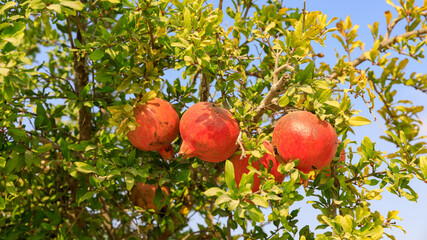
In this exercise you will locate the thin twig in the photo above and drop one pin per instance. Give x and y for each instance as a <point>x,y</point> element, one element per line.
<point>239,141</point>
<point>386,43</point>
<point>75,220</point>
<point>274,91</point>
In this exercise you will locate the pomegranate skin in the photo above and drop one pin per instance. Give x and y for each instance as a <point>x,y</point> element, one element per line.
<point>208,132</point>
<point>240,166</point>
<point>142,195</point>
<point>302,135</point>
<point>158,127</point>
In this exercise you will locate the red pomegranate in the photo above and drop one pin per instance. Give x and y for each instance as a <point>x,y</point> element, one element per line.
<point>302,135</point>
<point>240,166</point>
<point>142,195</point>
<point>158,127</point>
<point>208,132</point>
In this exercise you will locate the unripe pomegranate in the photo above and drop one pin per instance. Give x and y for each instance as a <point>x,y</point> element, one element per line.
<point>240,166</point>
<point>208,132</point>
<point>143,194</point>
<point>158,127</point>
<point>302,135</point>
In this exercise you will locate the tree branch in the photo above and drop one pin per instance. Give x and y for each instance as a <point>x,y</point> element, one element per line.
<point>274,90</point>
<point>385,44</point>
<point>204,89</point>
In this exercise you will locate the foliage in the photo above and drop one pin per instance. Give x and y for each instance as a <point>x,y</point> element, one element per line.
<point>73,71</point>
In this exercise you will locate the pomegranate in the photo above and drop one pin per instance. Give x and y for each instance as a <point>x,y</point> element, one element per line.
<point>158,127</point>
<point>240,166</point>
<point>142,195</point>
<point>208,132</point>
<point>302,135</point>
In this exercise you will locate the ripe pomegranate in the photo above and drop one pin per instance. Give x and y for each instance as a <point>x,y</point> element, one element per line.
<point>158,127</point>
<point>142,195</point>
<point>208,132</point>
<point>240,166</point>
<point>302,135</point>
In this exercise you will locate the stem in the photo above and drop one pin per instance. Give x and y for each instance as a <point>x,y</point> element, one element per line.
<point>204,89</point>
<point>81,79</point>
<point>385,44</point>
<point>274,91</point>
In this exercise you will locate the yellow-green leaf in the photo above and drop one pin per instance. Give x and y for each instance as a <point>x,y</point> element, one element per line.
<point>214,191</point>
<point>259,200</point>
<point>423,165</point>
<point>77,5</point>
<point>388,16</point>
<point>359,121</point>
<point>130,181</point>
<point>96,55</point>
<point>7,6</point>
<point>84,167</point>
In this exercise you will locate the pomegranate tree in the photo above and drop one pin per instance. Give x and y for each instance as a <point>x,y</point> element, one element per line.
<point>268,160</point>
<point>208,132</point>
<point>158,127</point>
<point>143,194</point>
<point>302,135</point>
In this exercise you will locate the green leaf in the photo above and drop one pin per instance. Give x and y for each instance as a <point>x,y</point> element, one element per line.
<point>233,205</point>
<point>130,181</point>
<point>79,147</point>
<point>113,1</point>
<point>423,165</point>
<point>148,96</point>
<point>16,132</point>
<point>359,121</point>
<point>345,221</point>
<point>4,71</point>
<point>85,196</point>
<point>375,233</point>
<point>229,175</point>
<point>367,147</point>
<point>183,175</point>
<point>394,137</point>
<point>84,167</point>
<point>2,162</point>
<point>55,7</point>
<point>259,200</point>
<point>284,101</point>
<point>187,18</point>
<point>214,191</point>
<point>393,215</point>
<point>255,214</point>
<point>224,198</point>
<point>8,93</point>
<point>306,75</point>
<point>77,5</point>
<point>96,55</point>
<point>361,213</point>
<point>306,89</point>
<point>44,148</point>
<point>7,6</point>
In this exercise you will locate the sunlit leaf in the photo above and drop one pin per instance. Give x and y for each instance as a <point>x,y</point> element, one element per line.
<point>359,121</point>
